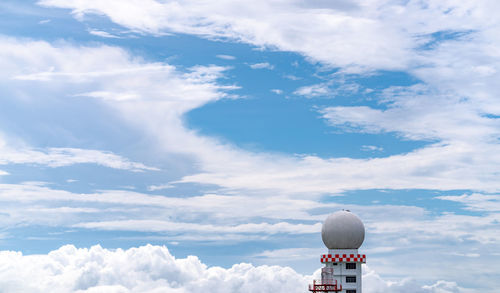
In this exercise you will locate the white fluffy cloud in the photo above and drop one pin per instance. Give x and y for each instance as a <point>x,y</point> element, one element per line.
<point>462,132</point>
<point>155,96</point>
<point>456,107</point>
<point>330,33</point>
<point>109,74</point>
<point>404,232</point>
<point>154,269</point>
<point>421,113</point>
<point>316,90</point>
<point>378,34</point>
<point>144,269</point>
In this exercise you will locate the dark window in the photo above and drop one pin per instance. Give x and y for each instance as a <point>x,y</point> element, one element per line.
<point>350,279</point>
<point>350,266</point>
<point>350,291</point>
<point>334,263</point>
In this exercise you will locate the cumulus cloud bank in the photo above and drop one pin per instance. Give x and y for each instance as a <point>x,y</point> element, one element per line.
<point>154,269</point>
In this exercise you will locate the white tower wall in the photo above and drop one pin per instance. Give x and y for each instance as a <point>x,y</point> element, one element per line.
<point>341,260</point>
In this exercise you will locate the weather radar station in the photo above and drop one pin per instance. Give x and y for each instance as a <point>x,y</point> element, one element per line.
<point>342,233</point>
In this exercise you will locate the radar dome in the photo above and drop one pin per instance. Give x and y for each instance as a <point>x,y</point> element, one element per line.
<point>343,230</point>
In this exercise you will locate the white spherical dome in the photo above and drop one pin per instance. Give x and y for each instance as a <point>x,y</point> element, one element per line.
<point>343,230</point>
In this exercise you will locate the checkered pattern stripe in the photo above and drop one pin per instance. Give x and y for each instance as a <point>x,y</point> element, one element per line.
<point>343,258</point>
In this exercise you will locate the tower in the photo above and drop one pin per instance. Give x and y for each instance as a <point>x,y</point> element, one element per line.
<point>342,233</point>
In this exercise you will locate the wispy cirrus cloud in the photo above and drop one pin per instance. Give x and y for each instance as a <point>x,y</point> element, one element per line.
<point>59,157</point>
<point>103,34</point>
<point>16,152</point>
<point>225,57</point>
<point>372,148</point>
<point>476,201</point>
<point>419,112</point>
<point>263,65</point>
<point>167,226</point>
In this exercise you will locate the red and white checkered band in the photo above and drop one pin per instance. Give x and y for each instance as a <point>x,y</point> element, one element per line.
<point>343,258</point>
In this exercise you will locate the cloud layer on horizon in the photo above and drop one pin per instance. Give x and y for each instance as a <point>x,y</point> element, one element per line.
<point>154,269</point>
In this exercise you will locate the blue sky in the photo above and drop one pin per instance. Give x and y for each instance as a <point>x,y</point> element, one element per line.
<point>230,131</point>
